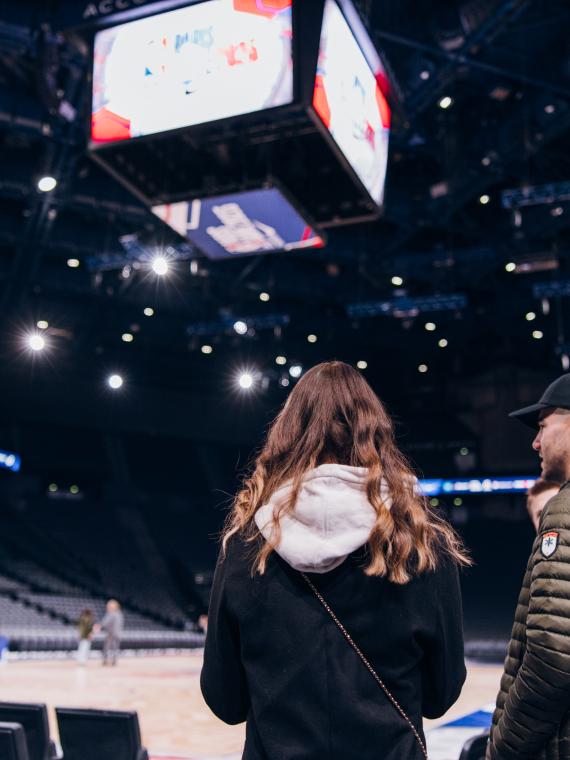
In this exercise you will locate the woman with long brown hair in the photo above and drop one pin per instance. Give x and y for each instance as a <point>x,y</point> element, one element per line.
<point>335,617</point>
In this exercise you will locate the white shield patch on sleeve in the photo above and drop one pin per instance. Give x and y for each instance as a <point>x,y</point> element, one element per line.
<point>549,543</point>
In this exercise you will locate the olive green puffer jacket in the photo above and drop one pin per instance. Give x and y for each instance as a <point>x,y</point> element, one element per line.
<point>532,717</point>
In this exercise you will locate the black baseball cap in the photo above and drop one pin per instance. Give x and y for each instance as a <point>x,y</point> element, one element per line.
<point>556,395</point>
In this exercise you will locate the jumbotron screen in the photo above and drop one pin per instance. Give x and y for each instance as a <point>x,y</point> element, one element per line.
<point>201,63</point>
<point>241,224</point>
<point>349,100</point>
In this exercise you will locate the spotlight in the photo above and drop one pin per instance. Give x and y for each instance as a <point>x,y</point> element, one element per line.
<point>280,360</point>
<point>510,267</point>
<point>312,338</point>
<point>550,108</point>
<point>74,490</point>
<point>430,326</point>
<point>206,349</point>
<point>295,370</point>
<point>264,297</point>
<point>127,337</point>
<point>160,265</point>
<point>73,263</point>
<point>442,342</point>
<point>445,102</point>
<point>537,334</point>
<point>556,211</point>
<point>36,342</point>
<point>565,359</point>
<point>434,502</point>
<point>240,327</point>
<point>484,199</point>
<point>148,312</point>
<point>424,75</point>
<point>397,281</point>
<point>486,160</point>
<point>114,382</point>
<point>42,324</point>
<point>284,382</point>
<point>457,502</point>
<point>362,364</point>
<point>47,184</point>
<point>423,368</point>
<point>464,451</point>
<point>529,316</point>
<point>245,380</point>
<point>52,488</point>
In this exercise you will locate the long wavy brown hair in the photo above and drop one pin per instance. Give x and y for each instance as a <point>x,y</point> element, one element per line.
<point>333,416</point>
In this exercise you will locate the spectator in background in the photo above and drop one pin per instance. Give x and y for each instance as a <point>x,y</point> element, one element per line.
<point>537,497</point>
<point>86,624</point>
<point>112,626</point>
<point>203,623</point>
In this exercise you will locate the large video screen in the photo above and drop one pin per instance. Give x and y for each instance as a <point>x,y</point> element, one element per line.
<point>208,61</point>
<point>349,100</point>
<point>241,224</point>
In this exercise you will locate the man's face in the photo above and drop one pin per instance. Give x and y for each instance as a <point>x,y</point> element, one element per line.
<point>552,442</point>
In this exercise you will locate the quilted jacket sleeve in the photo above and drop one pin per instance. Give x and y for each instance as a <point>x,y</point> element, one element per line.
<point>535,701</point>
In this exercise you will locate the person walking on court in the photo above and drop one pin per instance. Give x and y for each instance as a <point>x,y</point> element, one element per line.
<point>112,626</point>
<point>335,617</point>
<point>532,716</point>
<point>86,623</point>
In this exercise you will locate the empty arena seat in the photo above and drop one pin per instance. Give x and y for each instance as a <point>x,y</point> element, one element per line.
<point>13,742</point>
<point>98,734</point>
<point>474,748</point>
<point>34,721</point>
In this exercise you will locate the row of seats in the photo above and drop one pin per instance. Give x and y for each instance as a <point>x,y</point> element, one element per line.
<point>84,734</point>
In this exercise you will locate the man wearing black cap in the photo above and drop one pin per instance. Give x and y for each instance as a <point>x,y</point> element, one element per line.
<point>532,717</point>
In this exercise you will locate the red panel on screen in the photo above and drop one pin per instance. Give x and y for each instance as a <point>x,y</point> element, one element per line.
<point>262,7</point>
<point>320,101</point>
<point>106,125</point>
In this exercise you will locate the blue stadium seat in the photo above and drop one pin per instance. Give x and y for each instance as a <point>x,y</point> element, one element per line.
<point>13,742</point>
<point>34,720</point>
<point>97,734</point>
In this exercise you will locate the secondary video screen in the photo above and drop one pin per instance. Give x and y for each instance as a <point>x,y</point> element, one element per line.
<point>205,62</point>
<point>349,101</point>
<point>251,222</point>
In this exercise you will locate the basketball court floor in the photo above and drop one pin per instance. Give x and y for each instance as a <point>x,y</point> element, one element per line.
<point>175,722</point>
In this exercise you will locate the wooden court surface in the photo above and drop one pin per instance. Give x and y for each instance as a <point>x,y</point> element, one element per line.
<point>166,693</point>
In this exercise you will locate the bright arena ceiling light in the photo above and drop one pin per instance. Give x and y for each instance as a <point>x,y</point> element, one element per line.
<point>484,199</point>
<point>537,334</point>
<point>510,266</point>
<point>36,342</point>
<point>148,311</point>
<point>312,338</point>
<point>160,266</point>
<point>442,342</point>
<point>127,337</point>
<point>42,324</point>
<point>397,281</point>
<point>529,316</point>
<point>280,360</point>
<point>47,184</point>
<point>264,297</point>
<point>295,370</point>
<point>362,364</point>
<point>206,349</point>
<point>245,380</point>
<point>240,327</point>
<point>73,263</point>
<point>445,102</point>
<point>430,326</point>
<point>115,381</point>
<point>423,368</point>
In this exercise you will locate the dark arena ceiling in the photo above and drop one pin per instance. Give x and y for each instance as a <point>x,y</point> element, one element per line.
<point>448,229</point>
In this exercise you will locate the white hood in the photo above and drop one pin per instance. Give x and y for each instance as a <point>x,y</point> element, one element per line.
<point>332,517</point>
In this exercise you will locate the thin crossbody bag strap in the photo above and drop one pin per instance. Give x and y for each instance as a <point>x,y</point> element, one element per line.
<point>369,667</point>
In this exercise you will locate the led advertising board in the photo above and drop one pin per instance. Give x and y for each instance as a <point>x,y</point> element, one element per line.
<point>349,98</point>
<point>204,62</point>
<point>240,224</point>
